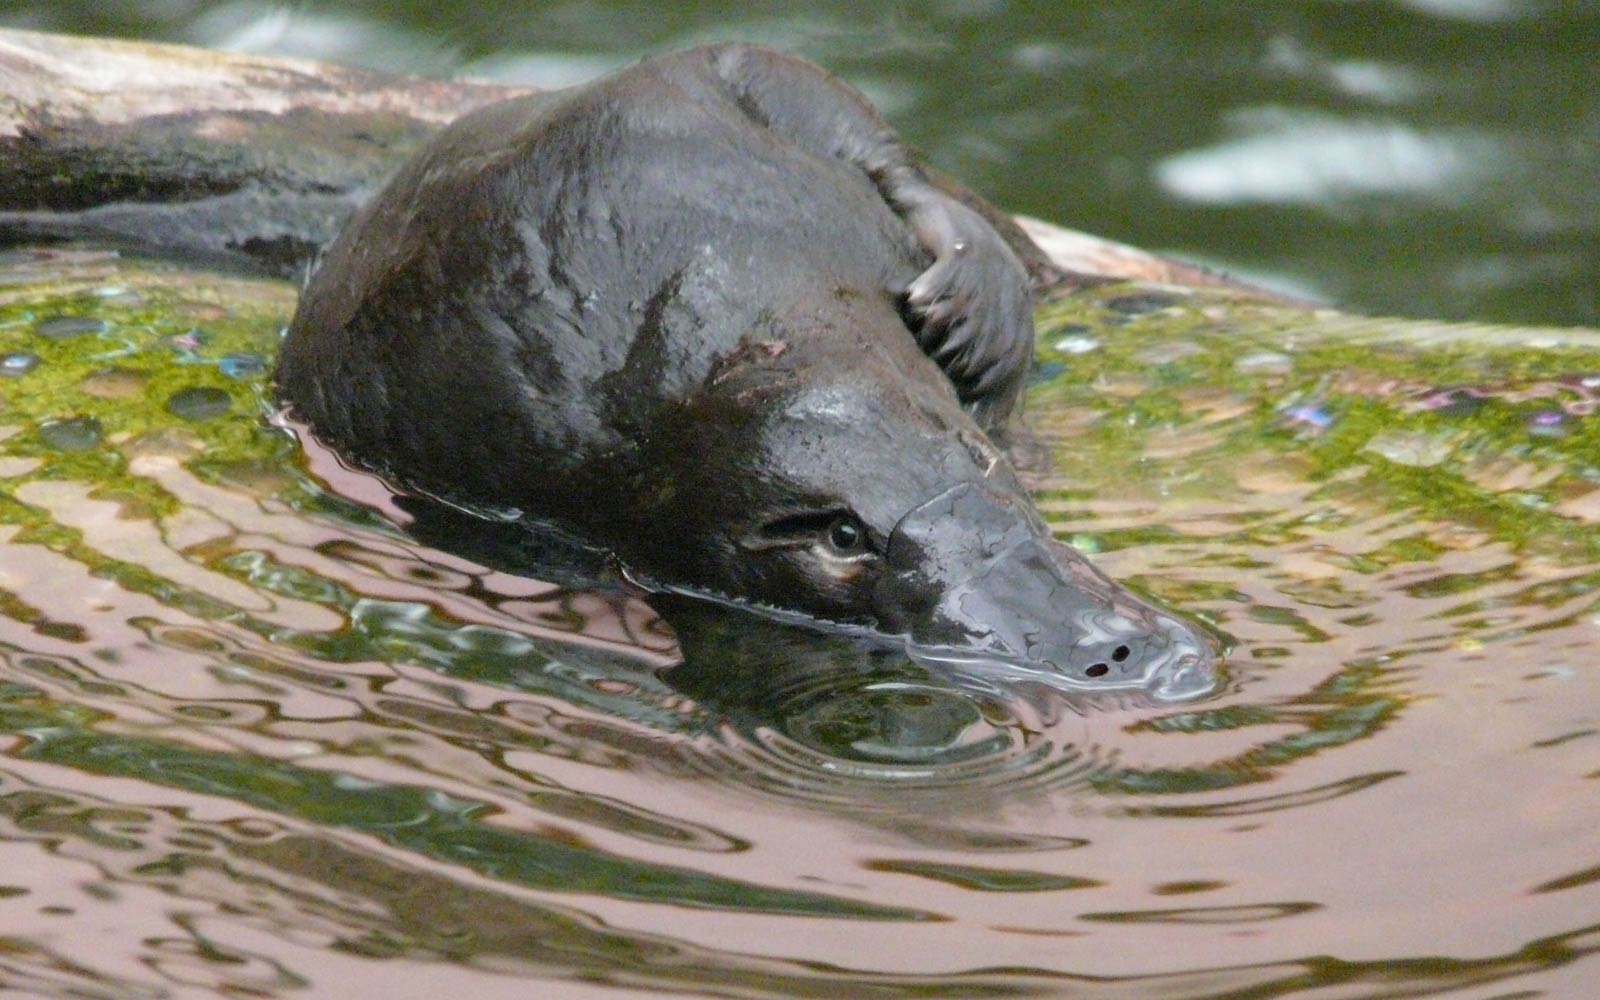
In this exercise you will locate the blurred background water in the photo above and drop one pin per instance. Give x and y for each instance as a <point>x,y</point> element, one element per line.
<point>1408,157</point>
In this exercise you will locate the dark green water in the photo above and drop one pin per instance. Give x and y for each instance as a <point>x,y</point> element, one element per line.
<point>1428,158</point>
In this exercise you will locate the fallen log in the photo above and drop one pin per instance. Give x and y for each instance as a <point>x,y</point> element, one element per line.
<point>258,160</point>
<point>174,148</point>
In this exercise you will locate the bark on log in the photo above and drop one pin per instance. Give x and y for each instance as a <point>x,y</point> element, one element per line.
<point>178,149</point>
<point>258,159</point>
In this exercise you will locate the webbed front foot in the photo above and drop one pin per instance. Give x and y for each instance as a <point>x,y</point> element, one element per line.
<point>972,309</point>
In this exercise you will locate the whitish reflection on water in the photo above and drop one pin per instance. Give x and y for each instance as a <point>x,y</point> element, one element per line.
<point>258,740</point>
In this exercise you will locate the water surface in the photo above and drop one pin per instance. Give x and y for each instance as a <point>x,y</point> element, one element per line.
<point>255,739</point>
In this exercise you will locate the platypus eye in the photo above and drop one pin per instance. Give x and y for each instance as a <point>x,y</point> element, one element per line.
<point>837,533</point>
<point>846,536</point>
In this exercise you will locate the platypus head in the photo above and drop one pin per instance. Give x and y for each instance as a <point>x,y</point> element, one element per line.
<point>852,486</point>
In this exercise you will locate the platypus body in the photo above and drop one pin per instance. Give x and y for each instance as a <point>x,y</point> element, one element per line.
<point>708,313</point>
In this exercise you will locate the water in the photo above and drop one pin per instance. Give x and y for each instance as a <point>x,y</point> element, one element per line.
<point>1425,158</point>
<point>254,739</point>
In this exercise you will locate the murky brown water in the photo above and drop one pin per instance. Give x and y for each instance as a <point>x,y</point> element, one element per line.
<point>256,741</point>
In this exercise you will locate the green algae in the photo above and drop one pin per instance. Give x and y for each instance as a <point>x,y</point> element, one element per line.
<point>1490,429</point>
<point>148,335</point>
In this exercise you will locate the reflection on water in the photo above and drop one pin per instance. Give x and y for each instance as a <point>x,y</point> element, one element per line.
<point>1283,157</point>
<point>259,739</point>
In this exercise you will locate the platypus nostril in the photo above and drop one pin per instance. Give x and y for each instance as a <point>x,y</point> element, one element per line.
<point>1106,650</point>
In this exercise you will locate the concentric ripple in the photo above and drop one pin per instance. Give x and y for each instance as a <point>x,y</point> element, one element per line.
<point>884,734</point>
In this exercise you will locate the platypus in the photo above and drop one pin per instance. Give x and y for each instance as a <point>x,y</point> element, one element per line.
<point>709,313</point>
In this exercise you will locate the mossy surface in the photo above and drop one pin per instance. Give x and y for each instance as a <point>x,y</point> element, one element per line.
<point>1491,429</point>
